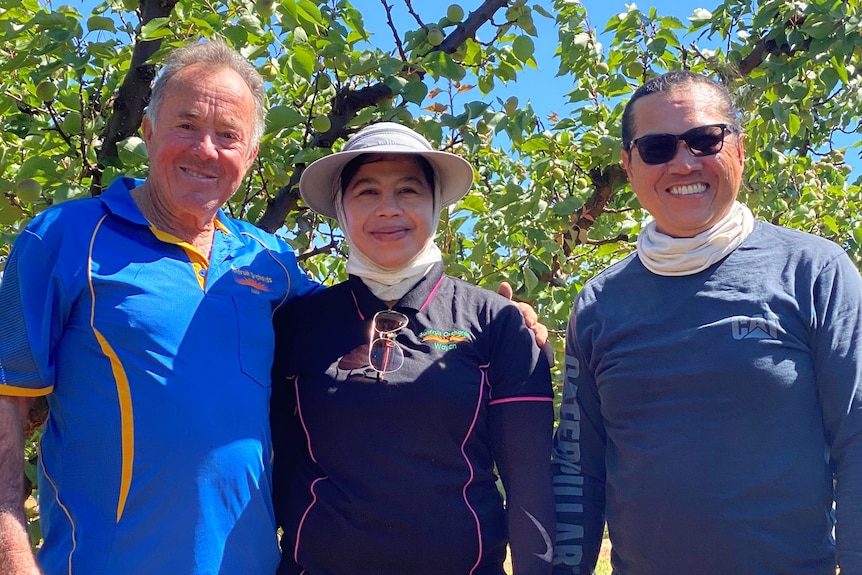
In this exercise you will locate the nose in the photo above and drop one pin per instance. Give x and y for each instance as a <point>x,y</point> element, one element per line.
<point>388,204</point>
<point>684,160</point>
<point>205,145</point>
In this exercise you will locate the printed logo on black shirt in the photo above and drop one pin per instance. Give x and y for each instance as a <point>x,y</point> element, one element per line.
<point>444,340</point>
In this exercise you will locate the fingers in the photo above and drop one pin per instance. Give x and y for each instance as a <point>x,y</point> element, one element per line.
<point>505,290</point>
<point>531,318</point>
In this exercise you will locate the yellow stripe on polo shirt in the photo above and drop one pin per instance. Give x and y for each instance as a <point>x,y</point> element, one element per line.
<point>124,392</point>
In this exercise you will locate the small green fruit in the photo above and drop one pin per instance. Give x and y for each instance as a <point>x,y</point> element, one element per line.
<point>269,71</point>
<point>28,190</point>
<point>435,37</point>
<point>454,13</point>
<point>321,123</point>
<point>46,91</point>
<point>557,174</point>
<point>635,70</point>
<point>582,183</point>
<point>602,68</point>
<point>72,123</point>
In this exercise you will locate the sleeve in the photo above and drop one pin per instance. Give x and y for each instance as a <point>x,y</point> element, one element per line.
<point>286,429</point>
<point>518,368</point>
<point>33,311</point>
<point>837,350</point>
<point>521,442</point>
<point>578,465</point>
<point>300,284</point>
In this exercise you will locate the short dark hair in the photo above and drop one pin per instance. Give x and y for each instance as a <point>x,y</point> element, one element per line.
<point>350,168</point>
<point>666,83</point>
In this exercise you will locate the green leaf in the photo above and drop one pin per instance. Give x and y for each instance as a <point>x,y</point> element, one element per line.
<point>251,24</point>
<point>364,64</point>
<point>414,92</point>
<point>156,28</point>
<point>100,23</point>
<point>474,203</point>
<point>440,64</point>
<point>840,69</point>
<point>132,151</point>
<point>280,117</point>
<point>530,279</point>
<point>303,61</point>
<point>793,124</point>
<point>523,48</point>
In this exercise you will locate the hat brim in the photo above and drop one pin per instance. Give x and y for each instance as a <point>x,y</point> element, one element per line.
<point>321,180</point>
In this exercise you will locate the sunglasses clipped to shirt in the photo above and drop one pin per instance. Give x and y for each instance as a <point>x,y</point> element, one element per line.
<point>385,355</point>
<point>702,141</point>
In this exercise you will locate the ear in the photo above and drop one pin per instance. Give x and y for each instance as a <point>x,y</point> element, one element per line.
<point>146,130</point>
<point>252,155</point>
<point>626,157</point>
<point>740,149</point>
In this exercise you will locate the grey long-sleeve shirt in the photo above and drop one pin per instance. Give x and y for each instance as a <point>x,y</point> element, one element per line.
<point>713,419</point>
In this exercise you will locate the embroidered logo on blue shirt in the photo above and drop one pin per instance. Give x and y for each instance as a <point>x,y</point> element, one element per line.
<point>256,282</point>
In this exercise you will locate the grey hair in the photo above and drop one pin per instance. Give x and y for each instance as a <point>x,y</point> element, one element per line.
<point>214,54</point>
<point>669,81</point>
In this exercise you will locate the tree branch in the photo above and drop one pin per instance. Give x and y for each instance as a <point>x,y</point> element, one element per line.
<point>604,180</point>
<point>770,47</point>
<point>134,93</point>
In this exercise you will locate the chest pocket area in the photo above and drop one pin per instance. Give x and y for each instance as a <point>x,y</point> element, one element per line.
<point>256,339</point>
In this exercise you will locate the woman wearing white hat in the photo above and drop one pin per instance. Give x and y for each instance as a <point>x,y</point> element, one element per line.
<point>410,389</point>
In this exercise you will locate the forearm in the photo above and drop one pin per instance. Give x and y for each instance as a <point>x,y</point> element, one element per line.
<point>522,437</point>
<point>15,554</point>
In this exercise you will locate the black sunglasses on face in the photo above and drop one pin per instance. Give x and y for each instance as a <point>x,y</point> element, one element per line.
<point>702,141</point>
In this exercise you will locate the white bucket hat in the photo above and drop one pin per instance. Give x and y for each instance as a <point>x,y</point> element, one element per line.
<point>321,180</point>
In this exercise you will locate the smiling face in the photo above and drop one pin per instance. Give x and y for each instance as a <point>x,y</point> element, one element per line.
<point>389,210</point>
<point>688,194</point>
<point>200,146</point>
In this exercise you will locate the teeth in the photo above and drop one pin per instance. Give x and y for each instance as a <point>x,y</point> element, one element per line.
<point>195,174</point>
<point>688,190</point>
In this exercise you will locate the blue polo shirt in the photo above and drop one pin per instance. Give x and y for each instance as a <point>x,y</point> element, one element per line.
<point>155,359</point>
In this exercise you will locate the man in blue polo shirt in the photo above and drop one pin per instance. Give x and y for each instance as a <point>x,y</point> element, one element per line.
<point>145,316</point>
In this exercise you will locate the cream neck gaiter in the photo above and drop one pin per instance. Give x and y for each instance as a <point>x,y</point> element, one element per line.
<point>668,256</point>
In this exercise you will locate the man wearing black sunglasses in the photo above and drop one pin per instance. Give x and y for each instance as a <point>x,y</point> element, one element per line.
<point>712,408</point>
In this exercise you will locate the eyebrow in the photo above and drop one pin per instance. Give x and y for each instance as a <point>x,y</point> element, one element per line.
<point>374,180</point>
<point>194,114</point>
